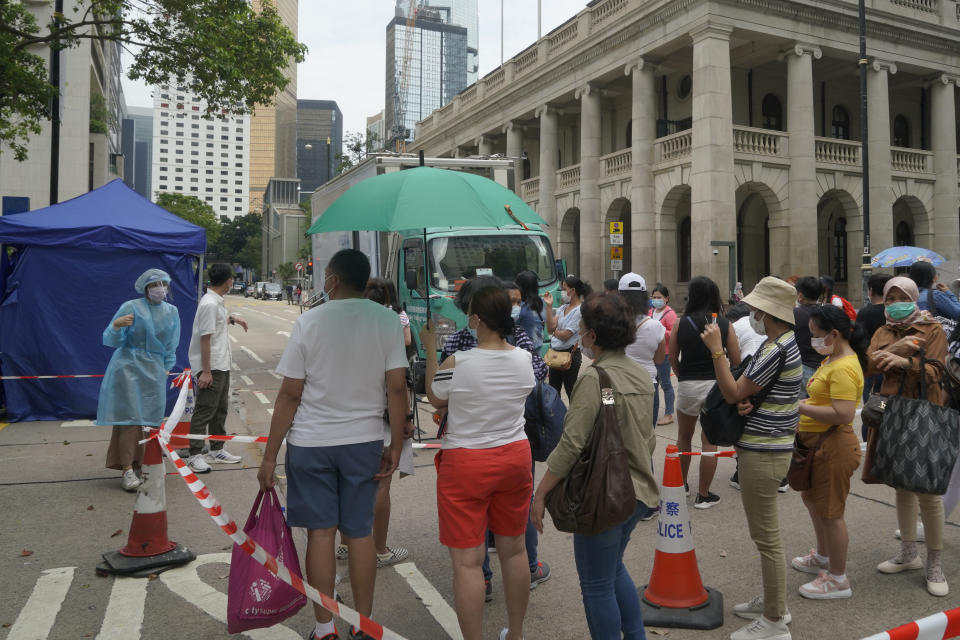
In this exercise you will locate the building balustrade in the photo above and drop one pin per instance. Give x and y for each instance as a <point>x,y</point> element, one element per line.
<point>760,142</point>
<point>608,9</point>
<point>911,160</point>
<point>673,147</point>
<point>833,151</point>
<point>616,164</point>
<point>530,189</point>
<point>564,36</point>
<point>495,80</point>
<point>526,61</point>
<point>926,6</point>
<point>468,95</point>
<point>568,178</point>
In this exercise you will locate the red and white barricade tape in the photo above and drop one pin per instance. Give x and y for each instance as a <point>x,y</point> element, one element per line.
<point>58,377</point>
<point>939,626</point>
<point>730,453</point>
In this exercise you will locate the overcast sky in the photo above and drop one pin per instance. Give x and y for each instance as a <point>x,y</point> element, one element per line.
<point>346,60</point>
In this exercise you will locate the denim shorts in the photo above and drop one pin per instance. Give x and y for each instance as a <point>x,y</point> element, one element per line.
<point>333,487</point>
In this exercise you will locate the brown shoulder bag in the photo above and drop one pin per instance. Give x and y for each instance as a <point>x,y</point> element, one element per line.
<point>597,494</point>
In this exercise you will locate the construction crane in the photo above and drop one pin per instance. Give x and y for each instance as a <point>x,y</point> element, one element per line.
<point>401,83</point>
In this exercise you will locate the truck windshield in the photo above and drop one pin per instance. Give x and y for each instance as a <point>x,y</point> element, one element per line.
<point>456,259</point>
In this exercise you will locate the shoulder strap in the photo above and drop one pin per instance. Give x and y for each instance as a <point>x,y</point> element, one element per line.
<point>605,382</point>
<point>692,323</point>
<point>763,393</point>
<point>931,302</point>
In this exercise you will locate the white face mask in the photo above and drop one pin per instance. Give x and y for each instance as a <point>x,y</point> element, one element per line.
<point>157,294</point>
<point>757,325</point>
<point>515,312</point>
<point>565,297</point>
<point>820,347</point>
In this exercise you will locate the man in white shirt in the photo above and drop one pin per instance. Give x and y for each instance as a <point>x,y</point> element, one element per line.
<point>344,364</point>
<point>210,360</point>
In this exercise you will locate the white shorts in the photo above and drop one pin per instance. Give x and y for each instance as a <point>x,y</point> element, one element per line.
<point>691,395</point>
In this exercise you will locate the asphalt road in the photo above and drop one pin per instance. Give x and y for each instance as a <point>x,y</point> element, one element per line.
<point>61,510</point>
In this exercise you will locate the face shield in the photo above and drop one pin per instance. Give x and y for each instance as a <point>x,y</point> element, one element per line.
<point>155,285</point>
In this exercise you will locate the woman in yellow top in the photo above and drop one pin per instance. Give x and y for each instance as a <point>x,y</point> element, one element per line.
<point>826,418</point>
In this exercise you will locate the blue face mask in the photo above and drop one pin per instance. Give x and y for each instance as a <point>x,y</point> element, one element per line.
<point>473,332</point>
<point>658,303</point>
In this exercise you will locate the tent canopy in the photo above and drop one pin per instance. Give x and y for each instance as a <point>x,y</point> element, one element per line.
<point>113,216</point>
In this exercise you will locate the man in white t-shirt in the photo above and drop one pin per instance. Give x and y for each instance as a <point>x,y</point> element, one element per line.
<point>344,364</point>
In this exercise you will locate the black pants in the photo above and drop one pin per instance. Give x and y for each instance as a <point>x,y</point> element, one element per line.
<point>210,412</point>
<point>567,378</point>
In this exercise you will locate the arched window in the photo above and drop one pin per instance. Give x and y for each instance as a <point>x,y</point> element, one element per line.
<point>840,250</point>
<point>772,113</point>
<point>684,257</point>
<point>901,131</point>
<point>904,234</point>
<point>840,127</point>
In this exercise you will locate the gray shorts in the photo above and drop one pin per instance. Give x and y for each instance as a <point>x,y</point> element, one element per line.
<point>333,487</point>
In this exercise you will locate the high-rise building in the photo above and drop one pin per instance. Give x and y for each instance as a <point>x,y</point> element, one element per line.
<point>92,108</point>
<point>376,135</point>
<point>319,142</point>
<point>273,127</point>
<point>196,155</point>
<point>429,61</point>
<point>138,149</point>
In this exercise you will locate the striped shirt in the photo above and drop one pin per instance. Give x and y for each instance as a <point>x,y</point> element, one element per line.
<point>771,427</point>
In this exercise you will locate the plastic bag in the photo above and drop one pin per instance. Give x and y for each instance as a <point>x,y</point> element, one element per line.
<point>256,598</point>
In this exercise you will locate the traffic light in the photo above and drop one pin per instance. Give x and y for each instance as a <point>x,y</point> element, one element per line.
<point>310,268</point>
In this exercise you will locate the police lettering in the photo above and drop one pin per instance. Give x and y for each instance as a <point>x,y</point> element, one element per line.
<point>671,530</point>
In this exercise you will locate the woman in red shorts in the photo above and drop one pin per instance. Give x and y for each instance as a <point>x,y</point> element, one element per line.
<point>483,468</point>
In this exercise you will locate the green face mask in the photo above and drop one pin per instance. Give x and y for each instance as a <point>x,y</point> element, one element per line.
<point>900,310</point>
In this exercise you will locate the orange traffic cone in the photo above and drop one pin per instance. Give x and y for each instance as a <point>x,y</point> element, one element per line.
<point>148,549</point>
<point>676,596</point>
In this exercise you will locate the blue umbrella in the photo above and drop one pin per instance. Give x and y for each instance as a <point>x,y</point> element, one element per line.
<point>905,256</point>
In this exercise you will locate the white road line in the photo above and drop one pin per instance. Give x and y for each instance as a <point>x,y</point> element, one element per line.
<point>185,582</point>
<point>279,318</point>
<point>38,615</point>
<point>252,355</point>
<point>431,598</point>
<point>124,617</point>
<point>232,339</point>
<point>283,333</point>
<point>275,375</point>
<point>78,423</point>
<point>247,381</point>
<point>235,366</point>
<point>262,398</point>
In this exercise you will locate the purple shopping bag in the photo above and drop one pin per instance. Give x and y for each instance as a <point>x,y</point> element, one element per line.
<point>257,598</point>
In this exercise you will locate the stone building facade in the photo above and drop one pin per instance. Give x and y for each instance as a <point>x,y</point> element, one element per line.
<point>727,131</point>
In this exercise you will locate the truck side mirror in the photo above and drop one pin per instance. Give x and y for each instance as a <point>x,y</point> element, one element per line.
<point>410,279</point>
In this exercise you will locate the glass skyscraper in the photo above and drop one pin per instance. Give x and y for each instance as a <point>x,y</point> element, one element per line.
<point>438,56</point>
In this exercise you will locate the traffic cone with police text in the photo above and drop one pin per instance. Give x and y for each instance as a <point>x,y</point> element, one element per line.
<point>676,596</point>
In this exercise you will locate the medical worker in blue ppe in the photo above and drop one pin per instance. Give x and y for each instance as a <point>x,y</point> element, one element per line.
<point>145,333</point>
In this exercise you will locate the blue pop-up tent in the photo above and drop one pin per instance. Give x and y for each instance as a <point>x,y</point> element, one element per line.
<point>72,266</point>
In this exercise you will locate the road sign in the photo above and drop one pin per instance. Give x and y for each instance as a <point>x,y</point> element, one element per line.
<point>616,227</point>
<point>616,238</point>
<point>616,253</point>
<point>616,265</point>
<point>298,266</point>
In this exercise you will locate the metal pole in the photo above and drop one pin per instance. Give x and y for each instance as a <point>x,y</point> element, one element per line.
<point>865,150</point>
<point>539,21</point>
<point>55,110</point>
<point>501,33</point>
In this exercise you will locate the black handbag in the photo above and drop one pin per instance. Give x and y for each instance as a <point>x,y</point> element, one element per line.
<point>722,424</point>
<point>597,494</point>
<point>917,441</point>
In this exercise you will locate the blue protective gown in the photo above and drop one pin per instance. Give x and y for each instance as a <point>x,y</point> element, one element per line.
<point>134,388</point>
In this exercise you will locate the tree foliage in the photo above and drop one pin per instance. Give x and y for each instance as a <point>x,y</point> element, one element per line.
<point>194,210</point>
<point>286,272</point>
<point>222,51</point>
<point>357,146</point>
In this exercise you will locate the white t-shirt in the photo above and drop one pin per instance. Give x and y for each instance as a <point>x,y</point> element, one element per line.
<point>211,320</point>
<point>749,339</point>
<point>567,321</point>
<point>650,334</point>
<point>486,391</point>
<point>342,350</point>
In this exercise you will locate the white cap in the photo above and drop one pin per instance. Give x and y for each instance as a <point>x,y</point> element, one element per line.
<point>632,282</point>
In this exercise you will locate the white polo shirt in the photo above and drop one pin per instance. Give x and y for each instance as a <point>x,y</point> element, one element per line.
<point>342,351</point>
<point>211,320</point>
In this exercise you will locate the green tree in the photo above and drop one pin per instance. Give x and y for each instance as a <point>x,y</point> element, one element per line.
<point>233,236</point>
<point>286,272</point>
<point>194,210</point>
<point>222,51</point>
<point>357,145</point>
<point>249,256</point>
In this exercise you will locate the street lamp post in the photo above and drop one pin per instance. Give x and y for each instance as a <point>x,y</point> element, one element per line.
<point>865,151</point>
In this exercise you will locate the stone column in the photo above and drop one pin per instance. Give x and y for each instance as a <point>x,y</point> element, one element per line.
<point>548,170</point>
<point>591,232</point>
<point>946,234</point>
<point>712,186</point>
<point>484,146</point>
<point>878,123</point>
<point>514,133</point>
<point>643,215</point>
<point>793,232</point>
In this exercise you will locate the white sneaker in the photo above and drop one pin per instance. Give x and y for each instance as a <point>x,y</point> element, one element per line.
<point>392,556</point>
<point>921,537</point>
<point>222,456</point>
<point>754,609</point>
<point>826,587</point>
<point>197,464</point>
<point>809,563</point>
<point>762,629</point>
<point>130,480</point>
<point>342,552</point>
<point>503,634</point>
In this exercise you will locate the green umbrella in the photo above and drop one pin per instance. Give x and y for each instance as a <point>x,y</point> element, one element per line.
<point>423,198</point>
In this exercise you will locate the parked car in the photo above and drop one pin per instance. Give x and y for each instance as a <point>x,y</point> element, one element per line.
<point>238,286</point>
<point>272,291</point>
<point>254,289</point>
